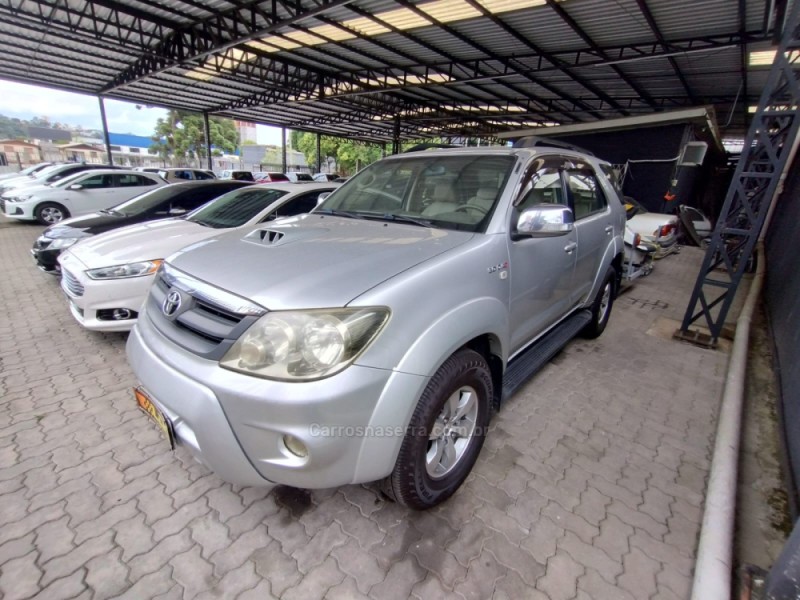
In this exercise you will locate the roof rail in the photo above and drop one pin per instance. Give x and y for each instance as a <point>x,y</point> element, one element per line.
<point>428,146</point>
<point>535,141</point>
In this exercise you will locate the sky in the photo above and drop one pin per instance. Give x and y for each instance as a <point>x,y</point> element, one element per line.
<point>27,101</point>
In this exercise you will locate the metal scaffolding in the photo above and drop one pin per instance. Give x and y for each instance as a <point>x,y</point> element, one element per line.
<point>766,151</point>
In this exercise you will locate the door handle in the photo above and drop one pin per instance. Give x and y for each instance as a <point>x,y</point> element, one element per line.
<point>609,229</point>
<point>570,247</point>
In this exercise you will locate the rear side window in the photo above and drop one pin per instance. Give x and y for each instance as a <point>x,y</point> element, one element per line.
<point>587,195</point>
<point>203,175</point>
<point>133,180</point>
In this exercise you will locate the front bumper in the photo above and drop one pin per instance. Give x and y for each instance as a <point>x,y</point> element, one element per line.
<point>666,244</point>
<point>235,423</point>
<point>98,295</point>
<point>45,256</point>
<point>18,210</point>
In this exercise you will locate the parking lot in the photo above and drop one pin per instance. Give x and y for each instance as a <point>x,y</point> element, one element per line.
<point>590,484</point>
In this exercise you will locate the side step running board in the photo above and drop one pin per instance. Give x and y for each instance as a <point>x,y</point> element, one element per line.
<point>535,357</point>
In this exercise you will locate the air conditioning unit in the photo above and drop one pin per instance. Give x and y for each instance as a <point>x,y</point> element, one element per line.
<point>693,154</point>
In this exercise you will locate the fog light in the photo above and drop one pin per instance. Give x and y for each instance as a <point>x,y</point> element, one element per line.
<point>116,314</point>
<point>295,446</point>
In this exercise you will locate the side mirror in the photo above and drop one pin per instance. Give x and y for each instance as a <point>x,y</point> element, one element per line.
<point>176,211</point>
<point>545,220</point>
<point>321,198</point>
<point>76,186</point>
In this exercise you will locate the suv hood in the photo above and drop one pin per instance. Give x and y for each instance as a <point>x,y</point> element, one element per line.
<point>313,261</point>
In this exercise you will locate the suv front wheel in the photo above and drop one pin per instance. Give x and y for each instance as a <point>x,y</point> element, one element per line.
<point>445,434</point>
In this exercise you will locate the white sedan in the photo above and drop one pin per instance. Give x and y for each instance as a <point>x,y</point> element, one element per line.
<point>79,194</point>
<point>107,277</point>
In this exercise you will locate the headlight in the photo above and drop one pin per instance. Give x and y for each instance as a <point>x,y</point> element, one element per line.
<point>63,242</point>
<point>305,345</point>
<point>137,269</point>
<point>23,198</point>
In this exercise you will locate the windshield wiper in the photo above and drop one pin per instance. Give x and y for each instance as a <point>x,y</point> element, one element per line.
<point>110,211</point>
<point>339,213</point>
<point>403,219</point>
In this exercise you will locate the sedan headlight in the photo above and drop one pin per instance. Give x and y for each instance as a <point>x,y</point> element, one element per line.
<point>61,243</point>
<point>305,345</point>
<point>137,269</point>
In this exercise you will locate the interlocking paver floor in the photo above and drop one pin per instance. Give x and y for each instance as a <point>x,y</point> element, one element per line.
<point>590,485</point>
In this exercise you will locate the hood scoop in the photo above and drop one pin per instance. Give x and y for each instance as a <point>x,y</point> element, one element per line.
<point>270,236</point>
<point>278,237</point>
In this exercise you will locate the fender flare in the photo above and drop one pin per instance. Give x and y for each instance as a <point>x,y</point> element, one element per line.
<point>393,410</point>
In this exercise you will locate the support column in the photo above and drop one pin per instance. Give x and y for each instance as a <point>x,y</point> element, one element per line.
<point>283,149</point>
<point>105,129</point>
<point>207,134</point>
<point>319,153</point>
<point>396,138</point>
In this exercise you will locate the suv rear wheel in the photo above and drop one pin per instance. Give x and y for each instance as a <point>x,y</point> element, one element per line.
<point>445,434</point>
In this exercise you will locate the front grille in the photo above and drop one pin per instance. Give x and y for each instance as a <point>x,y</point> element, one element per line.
<point>71,284</point>
<point>201,324</point>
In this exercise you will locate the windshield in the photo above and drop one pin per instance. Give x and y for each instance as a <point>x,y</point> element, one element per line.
<point>47,171</point>
<point>235,208</point>
<point>451,192</point>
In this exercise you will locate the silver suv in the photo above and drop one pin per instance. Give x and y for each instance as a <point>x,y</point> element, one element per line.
<point>373,338</point>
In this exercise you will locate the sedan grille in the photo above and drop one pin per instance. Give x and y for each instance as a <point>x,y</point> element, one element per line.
<point>70,284</point>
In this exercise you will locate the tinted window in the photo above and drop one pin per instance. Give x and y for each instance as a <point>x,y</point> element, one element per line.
<point>132,180</point>
<point>299,205</point>
<point>203,175</point>
<point>235,208</point>
<point>304,177</point>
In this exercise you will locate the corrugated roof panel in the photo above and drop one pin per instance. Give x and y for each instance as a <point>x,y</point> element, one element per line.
<point>545,28</point>
<point>709,16</point>
<point>610,23</point>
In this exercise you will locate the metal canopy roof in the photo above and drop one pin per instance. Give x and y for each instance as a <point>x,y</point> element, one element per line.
<point>379,69</point>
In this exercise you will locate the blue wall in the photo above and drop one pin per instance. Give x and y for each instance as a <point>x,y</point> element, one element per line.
<point>127,139</point>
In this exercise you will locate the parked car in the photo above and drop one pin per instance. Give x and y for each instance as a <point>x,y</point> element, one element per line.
<point>162,202</point>
<point>25,172</point>
<point>106,277</point>
<point>272,178</point>
<point>172,175</point>
<point>659,228</point>
<point>326,176</point>
<point>238,175</point>
<point>371,339</point>
<point>79,195</point>
<point>295,177</point>
<point>48,176</point>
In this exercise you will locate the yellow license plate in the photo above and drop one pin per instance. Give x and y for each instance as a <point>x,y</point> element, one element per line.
<point>152,411</point>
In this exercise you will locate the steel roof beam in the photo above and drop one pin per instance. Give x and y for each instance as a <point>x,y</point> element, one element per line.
<point>573,24</point>
<point>83,18</point>
<point>214,34</point>
<point>563,67</point>
<point>651,22</point>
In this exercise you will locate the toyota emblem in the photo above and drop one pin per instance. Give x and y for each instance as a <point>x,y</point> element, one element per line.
<point>171,303</point>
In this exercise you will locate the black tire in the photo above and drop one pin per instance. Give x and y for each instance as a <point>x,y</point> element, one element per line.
<point>601,306</point>
<point>50,213</point>
<point>411,483</point>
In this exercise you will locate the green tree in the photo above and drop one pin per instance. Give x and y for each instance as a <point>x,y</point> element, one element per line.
<point>182,136</point>
<point>12,128</point>
<point>350,156</point>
